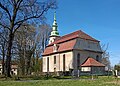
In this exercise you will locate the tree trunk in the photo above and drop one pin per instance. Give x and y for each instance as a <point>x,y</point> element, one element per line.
<point>8,58</point>
<point>3,62</point>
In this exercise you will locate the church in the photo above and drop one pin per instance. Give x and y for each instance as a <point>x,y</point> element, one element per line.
<point>76,52</point>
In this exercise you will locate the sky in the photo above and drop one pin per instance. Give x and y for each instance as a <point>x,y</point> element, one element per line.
<point>98,18</point>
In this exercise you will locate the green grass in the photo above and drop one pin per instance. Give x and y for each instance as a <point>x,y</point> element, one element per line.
<point>101,81</point>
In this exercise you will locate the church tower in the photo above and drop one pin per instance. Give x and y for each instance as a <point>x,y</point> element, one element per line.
<point>54,34</point>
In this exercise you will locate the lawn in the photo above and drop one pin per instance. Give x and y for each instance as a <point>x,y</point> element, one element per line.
<point>101,81</point>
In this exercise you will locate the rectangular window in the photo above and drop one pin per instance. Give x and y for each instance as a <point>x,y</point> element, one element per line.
<point>54,59</point>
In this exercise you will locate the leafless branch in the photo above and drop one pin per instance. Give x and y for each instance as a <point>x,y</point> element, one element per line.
<point>4,26</point>
<point>6,10</point>
<point>4,38</point>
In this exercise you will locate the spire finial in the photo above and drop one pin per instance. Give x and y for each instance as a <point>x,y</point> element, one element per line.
<point>55,16</point>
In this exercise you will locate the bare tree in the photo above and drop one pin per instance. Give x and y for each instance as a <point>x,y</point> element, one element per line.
<point>13,13</point>
<point>25,43</point>
<point>42,38</point>
<point>3,45</point>
<point>36,65</point>
<point>30,42</point>
<point>105,57</point>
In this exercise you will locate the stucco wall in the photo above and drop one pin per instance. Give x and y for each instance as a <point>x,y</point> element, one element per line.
<point>93,70</point>
<point>44,64</point>
<point>87,45</point>
<point>85,48</point>
<point>68,61</point>
<point>98,70</point>
<point>51,39</point>
<point>14,70</point>
<point>83,56</point>
<point>59,62</point>
<point>0,69</point>
<point>86,69</point>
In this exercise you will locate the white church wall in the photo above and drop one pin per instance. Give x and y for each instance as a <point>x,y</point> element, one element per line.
<point>44,64</point>
<point>68,61</point>
<point>59,62</point>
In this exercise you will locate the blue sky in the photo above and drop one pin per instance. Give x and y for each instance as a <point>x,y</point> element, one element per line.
<point>98,18</point>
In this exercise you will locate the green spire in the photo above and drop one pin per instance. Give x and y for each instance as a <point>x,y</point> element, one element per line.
<point>54,27</point>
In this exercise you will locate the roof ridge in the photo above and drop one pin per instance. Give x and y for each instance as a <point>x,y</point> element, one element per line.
<point>93,39</point>
<point>68,34</point>
<point>76,34</point>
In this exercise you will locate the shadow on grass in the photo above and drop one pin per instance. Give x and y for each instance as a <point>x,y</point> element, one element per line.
<point>43,77</point>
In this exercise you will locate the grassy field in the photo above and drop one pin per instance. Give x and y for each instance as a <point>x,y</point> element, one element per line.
<point>101,81</point>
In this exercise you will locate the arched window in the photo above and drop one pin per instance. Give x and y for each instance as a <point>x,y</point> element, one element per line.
<point>78,60</point>
<point>54,59</point>
<point>64,62</point>
<point>97,58</point>
<point>47,64</point>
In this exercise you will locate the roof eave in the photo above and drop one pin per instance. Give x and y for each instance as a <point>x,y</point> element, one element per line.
<point>93,66</point>
<point>57,52</point>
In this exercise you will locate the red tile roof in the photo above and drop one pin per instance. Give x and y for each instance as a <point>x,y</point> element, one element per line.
<point>67,42</point>
<point>76,34</point>
<point>61,47</point>
<point>92,62</point>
